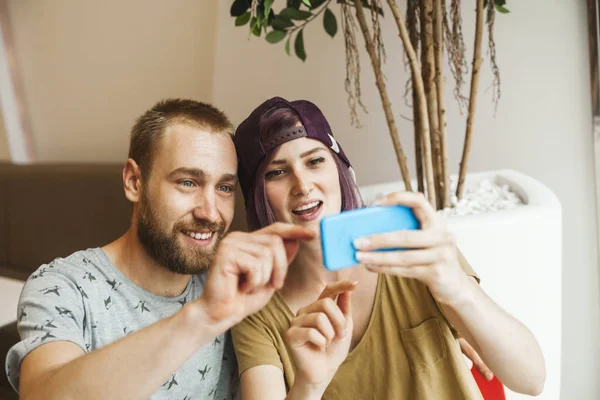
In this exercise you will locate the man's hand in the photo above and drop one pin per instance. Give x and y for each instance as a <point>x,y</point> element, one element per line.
<point>248,268</point>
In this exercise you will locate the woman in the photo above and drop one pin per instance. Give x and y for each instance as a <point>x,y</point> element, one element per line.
<point>386,328</point>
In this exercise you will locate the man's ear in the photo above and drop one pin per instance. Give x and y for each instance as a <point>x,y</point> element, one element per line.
<point>132,180</point>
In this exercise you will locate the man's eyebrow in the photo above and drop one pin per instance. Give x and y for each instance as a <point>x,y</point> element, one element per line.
<point>306,153</point>
<point>229,177</point>
<point>200,174</point>
<point>194,172</point>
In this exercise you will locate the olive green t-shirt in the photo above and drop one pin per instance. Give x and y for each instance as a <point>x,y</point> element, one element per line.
<point>408,350</point>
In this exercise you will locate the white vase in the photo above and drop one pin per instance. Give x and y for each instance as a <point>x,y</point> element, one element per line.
<point>518,255</point>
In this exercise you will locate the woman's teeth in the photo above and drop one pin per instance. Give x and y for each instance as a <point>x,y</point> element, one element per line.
<point>306,207</point>
<point>199,236</point>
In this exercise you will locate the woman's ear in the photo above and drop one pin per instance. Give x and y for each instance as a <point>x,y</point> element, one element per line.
<point>132,180</point>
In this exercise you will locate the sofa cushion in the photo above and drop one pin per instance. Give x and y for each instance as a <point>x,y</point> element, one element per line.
<point>54,210</point>
<point>3,220</point>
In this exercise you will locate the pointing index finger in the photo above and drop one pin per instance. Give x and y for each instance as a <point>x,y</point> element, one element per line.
<point>337,288</point>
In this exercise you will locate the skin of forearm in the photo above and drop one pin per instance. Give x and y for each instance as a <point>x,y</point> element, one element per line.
<point>135,366</point>
<point>301,391</point>
<point>506,346</point>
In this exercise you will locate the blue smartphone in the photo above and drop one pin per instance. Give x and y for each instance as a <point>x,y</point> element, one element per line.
<point>339,231</point>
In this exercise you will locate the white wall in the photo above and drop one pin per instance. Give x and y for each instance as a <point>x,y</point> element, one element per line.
<point>90,68</point>
<point>542,128</point>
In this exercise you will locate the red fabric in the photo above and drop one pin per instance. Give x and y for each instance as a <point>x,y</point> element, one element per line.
<point>490,390</point>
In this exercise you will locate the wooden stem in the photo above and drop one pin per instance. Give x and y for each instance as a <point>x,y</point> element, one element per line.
<point>428,72</point>
<point>379,81</point>
<point>418,84</point>
<point>444,179</point>
<point>477,59</point>
<point>414,40</point>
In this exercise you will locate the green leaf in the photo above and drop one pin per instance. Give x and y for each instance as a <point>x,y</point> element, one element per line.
<point>275,36</point>
<point>270,18</point>
<point>299,46</point>
<point>242,19</point>
<point>267,5</point>
<point>281,23</point>
<point>330,23</point>
<point>316,3</point>
<point>307,3</point>
<point>255,26</point>
<point>292,13</point>
<point>502,9</point>
<point>293,4</point>
<point>287,45</point>
<point>496,3</point>
<point>239,7</point>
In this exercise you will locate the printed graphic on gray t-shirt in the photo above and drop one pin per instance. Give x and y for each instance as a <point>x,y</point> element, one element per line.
<point>86,300</point>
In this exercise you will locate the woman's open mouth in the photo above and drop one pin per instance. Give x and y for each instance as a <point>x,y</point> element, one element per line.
<point>308,211</point>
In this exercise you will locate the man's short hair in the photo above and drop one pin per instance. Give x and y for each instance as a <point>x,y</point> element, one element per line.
<point>150,127</point>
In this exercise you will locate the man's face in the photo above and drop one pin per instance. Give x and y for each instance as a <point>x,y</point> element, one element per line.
<point>187,203</point>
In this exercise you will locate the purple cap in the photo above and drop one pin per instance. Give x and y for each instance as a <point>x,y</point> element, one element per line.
<point>251,147</point>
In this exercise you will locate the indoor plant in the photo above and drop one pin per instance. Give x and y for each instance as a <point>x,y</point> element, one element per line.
<point>428,28</point>
<point>509,248</point>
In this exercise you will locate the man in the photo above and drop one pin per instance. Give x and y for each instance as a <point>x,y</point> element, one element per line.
<point>138,318</point>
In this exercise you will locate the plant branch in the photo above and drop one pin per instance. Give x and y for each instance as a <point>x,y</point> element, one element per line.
<point>387,107</point>
<point>439,84</point>
<point>472,100</point>
<point>412,25</point>
<point>428,71</point>
<point>305,22</point>
<point>418,84</point>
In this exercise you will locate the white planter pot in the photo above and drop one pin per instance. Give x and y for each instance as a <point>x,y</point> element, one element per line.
<point>518,256</point>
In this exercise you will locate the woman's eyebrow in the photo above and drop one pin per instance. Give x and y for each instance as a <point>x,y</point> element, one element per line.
<point>306,153</point>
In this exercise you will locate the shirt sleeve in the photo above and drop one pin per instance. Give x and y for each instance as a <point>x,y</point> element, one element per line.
<point>228,387</point>
<point>50,309</point>
<point>254,344</point>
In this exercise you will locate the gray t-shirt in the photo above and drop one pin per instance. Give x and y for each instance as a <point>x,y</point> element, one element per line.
<point>86,300</point>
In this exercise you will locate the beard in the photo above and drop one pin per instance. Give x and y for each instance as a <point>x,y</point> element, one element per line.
<point>166,248</point>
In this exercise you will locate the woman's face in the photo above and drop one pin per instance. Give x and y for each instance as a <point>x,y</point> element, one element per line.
<point>302,182</point>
